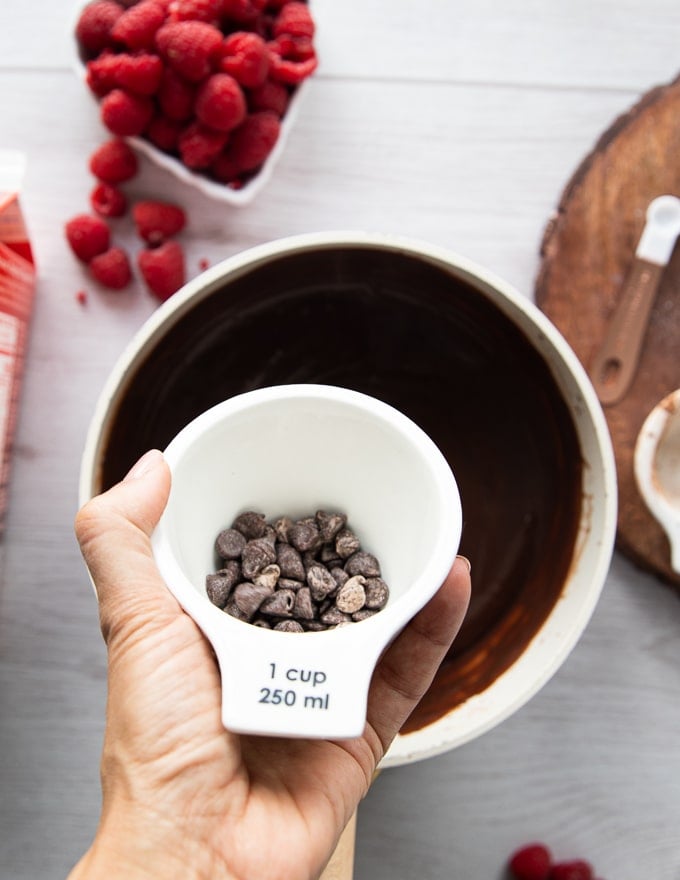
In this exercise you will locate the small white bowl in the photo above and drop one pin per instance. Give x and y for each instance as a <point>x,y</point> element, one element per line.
<point>174,166</point>
<point>291,450</point>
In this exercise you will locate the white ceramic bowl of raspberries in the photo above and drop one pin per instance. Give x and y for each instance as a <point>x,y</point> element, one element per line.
<point>207,89</point>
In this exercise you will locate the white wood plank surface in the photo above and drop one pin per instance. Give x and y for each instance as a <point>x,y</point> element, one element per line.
<point>458,123</point>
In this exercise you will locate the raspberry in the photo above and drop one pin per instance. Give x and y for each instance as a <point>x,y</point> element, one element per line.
<point>137,26</point>
<point>164,133</point>
<point>196,10</point>
<point>162,269</point>
<point>253,141</point>
<point>88,236</point>
<point>246,58</point>
<point>81,297</point>
<point>531,862</point>
<point>140,74</point>
<point>113,162</point>
<point>101,73</point>
<point>112,269</point>
<point>124,114</point>
<point>220,103</point>
<point>199,146</point>
<point>270,96</point>
<point>176,97</point>
<point>189,47</point>
<point>291,72</point>
<point>295,19</point>
<point>575,870</point>
<point>157,221</point>
<point>244,11</point>
<point>108,200</point>
<point>93,29</point>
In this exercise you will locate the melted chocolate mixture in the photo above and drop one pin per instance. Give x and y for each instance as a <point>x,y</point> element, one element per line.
<point>413,335</point>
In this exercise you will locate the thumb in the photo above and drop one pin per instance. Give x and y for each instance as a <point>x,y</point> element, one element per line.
<point>113,531</point>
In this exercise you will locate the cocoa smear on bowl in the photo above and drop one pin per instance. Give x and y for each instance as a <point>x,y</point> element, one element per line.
<point>411,333</point>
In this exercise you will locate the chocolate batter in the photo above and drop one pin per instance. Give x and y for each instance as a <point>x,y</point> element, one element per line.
<point>410,333</point>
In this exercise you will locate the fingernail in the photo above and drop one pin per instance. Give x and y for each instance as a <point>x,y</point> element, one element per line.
<point>145,464</point>
<point>466,561</point>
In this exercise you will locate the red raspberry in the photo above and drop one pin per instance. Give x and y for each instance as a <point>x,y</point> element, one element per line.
<point>531,862</point>
<point>88,236</point>
<point>288,70</point>
<point>189,47</point>
<point>246,58</point>
<point>101,73</point>
<point>137,26</point>
<point>253,141</point>
<point>124,114</point>
<point>93,29</point>
<point>176,97</point>
<point>112,269</point>
<point>113,162</point>
<point>225,169</point>
<point>220,103</point>
<point>575,870</point>
<point>164,133</point>
<point>295,19</point>
<point>199,146</point>
<point>108,201</point>
<point>292,48</point>
<point>270,96</point>
<point>244,11</point>
<point>209,11</point>
<point>162,269</point>
<point>140,74</point>
<point>81,297</point>
<point>157,221</point>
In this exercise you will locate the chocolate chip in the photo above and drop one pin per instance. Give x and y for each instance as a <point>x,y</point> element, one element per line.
<point>250,524</point>
<point>256,555</point>
<point>304,607</point>
<point>362,563</point>
<point>229,544</point>
<point>279,604</point>
<point>330,524</point>
<point>268,577</point>
<point>249,597</point>
<point>289,626</point>
<point>346,543</point>
<point>320,581</point>
<point>351,596</point>
<point>219,585</point>
<point>377,593</point>
<point>304,535</point>
<point>290,562</point>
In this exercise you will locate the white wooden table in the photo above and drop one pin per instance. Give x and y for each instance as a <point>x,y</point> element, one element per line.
<point>458,123</point>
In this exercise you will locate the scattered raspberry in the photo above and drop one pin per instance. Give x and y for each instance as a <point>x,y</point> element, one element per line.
<point>93,29</point>
<point>208,11</point>
<point>137,26</point>
<point>270,96</point>
<point>575,870</point>
<point>252,142</point>
<point>113,162</point>
<point>81,297</point>
<point>158,221</point>
<point>112,269</point>
<point>108,200</point>
<point>199,145</point>
<point>88,236</point>
<point>125,114</point>
<point>189,47</point>
<point>162,269</point>
<point>295,19</point>
<point>246,58</point>
<point>220,103</point>
<point>531,862</point>
<point>164,133</point>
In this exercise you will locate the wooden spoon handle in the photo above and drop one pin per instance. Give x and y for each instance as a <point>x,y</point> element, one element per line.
<point>341,865</point>
<point>614,365</point>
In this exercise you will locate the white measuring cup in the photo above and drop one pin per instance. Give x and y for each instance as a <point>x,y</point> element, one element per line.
<point>292,450</point>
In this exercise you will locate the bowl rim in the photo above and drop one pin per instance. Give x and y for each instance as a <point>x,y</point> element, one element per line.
<point>510,691</point>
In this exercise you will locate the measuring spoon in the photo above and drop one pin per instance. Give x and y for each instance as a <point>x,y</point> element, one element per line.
<point>615,363</point>
<point>657,468</point>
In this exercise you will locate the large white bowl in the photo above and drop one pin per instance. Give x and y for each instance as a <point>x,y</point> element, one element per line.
<point>444,341</point>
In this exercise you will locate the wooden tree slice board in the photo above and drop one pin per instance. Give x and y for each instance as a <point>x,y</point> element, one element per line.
<point>586,254</point>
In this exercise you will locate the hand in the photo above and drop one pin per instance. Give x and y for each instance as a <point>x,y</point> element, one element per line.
<point>182,796</point>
